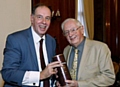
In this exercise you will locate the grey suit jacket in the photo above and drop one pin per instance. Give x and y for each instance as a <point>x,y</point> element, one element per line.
<point>96,67</point>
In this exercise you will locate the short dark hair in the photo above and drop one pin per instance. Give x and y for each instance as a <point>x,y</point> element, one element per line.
<point>39,5</point>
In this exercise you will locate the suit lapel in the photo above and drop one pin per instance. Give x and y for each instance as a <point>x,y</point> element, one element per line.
<point>32,48</point>
<point>48,48</point>
<point>84,57</point>
<point>68,57</point>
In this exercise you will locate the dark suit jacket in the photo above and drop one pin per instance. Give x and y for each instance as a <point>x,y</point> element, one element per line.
<point>20,56</point>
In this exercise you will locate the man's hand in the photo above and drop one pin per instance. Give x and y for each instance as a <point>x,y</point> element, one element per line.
<point>70,83</point>
<point>50,69</point>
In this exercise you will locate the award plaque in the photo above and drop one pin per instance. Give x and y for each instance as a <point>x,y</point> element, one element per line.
<point>63,72</point>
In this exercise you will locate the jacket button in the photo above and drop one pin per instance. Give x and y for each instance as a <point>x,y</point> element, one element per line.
<point>33,83</point>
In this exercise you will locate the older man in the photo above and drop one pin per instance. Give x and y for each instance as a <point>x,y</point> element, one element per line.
<point>94,67</point>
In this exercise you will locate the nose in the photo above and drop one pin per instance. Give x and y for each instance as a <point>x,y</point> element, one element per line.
<point>44,20</point>
<point>70,33</point>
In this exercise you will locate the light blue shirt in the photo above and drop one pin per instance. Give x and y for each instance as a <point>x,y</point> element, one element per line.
<point>80,50</point>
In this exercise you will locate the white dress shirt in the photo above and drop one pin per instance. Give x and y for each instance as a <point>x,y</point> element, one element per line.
<point>32,78</point>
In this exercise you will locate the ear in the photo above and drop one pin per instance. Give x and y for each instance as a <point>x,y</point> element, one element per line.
<point>82,30</point>
<point>31,18</point>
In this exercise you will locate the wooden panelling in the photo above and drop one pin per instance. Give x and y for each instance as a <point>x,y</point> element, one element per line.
<point>107,26</point>
<point>98,20</point>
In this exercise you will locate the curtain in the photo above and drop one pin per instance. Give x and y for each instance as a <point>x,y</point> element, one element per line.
<point>85,14</point>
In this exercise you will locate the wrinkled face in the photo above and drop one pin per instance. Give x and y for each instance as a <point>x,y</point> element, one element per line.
<point>73,33</point>
<point>41,20</point>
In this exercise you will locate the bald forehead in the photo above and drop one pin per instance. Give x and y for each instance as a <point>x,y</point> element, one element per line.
<point>40,6</point>
<point>43,7</point>
<point>43,10</point>
<point>70,23</point>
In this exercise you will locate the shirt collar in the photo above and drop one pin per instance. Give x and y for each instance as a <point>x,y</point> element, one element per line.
<point>81,45</point>
<point>36,37</point>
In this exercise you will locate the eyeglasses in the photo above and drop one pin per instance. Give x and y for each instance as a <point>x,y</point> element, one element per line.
<point>66,33</point>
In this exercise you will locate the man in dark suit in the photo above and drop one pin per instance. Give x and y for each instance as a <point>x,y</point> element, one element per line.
<point>21,65</point>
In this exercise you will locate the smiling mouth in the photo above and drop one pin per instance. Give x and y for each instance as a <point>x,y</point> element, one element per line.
<point>42,26</point>
<point>72,38</point>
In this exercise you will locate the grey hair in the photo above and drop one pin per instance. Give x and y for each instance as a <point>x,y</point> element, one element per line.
<point>70,19</point>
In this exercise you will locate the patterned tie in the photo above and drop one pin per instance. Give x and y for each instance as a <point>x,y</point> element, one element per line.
<point>46,81</point>
<point>73,71</point>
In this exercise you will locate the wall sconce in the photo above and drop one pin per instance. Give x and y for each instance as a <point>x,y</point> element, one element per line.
<point>56,16</point>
